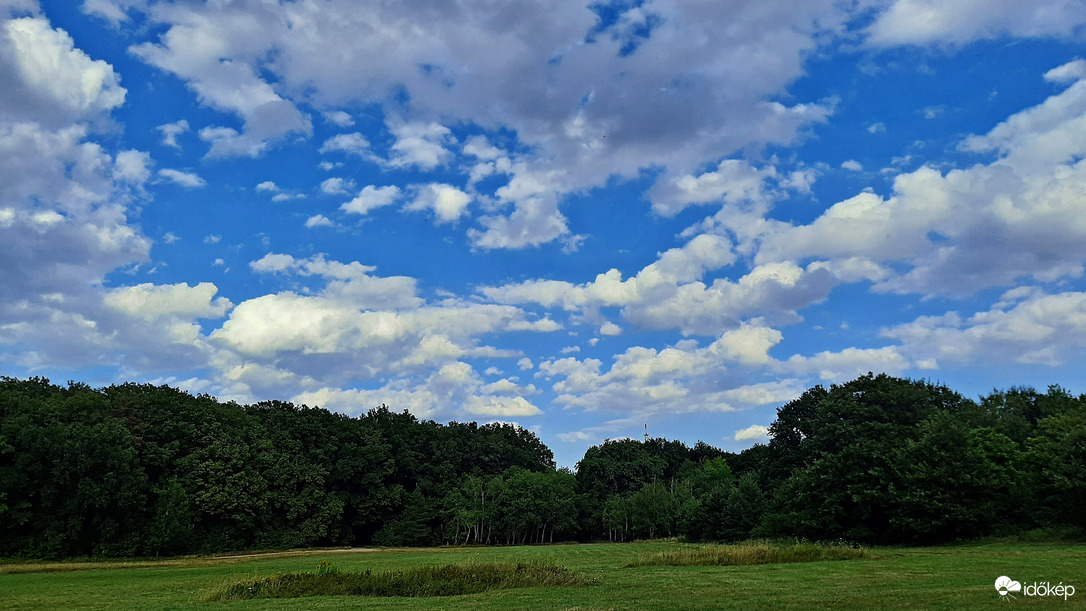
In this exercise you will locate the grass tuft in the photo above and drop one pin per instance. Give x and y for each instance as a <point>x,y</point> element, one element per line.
<point>446,580</point>
<point>749,553</point>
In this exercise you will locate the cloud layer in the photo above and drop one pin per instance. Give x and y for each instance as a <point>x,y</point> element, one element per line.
<point>585,216</point>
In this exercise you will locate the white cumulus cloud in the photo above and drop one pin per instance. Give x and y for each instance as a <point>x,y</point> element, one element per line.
<point>923,22</point>
<point>447,202</point>
<point>372,197</point>
<point>149,301</point>
<point>756,432</point>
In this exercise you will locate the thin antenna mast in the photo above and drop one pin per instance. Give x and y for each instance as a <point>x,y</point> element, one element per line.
<point>646,433</point>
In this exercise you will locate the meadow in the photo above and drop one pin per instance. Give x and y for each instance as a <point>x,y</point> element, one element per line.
<point>616,576</point>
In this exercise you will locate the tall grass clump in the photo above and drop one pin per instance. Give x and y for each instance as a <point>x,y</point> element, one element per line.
<point>446,580</point>
<point>751,552</point>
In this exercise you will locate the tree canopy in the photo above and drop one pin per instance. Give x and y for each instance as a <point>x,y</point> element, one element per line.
<point>142,470</point>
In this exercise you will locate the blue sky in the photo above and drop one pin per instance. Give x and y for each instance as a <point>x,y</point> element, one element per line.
<point>579,218</point>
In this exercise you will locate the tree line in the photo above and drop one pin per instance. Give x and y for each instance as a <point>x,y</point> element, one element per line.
<point>142,470</point>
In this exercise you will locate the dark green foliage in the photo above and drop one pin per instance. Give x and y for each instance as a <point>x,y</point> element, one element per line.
<point>447,580</point>
<point>721,507</point>
<point>955,482</point>
<point>517,506</point>
<point>170,531</point>
<point>652,511</point>
<point>72,479</point>
<point>1056,455</point>
<point>624,468</point>
<point>150,470</point>
<point>887,460</point>
<point>411,527</point>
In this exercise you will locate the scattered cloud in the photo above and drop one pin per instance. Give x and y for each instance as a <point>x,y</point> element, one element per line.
<point>645,192</point>
<point>184,179</point>
<point>318,220</point>
<point>372,197</point>
<point>931,112</point>
<point>336,186</point>
<point>132,167</point>
<point>1027,326</point>
<point>150,302</point>
<point>610,328</point>
<point>501,407</point>
<point>338,118</point>
<point>924,22</point>
<point>354,144</point>
<point>733,181</point>
<point>170,132</point>
<point>421,145</point>
<point>963,230</point>
<point>228,86</point>
<point>53,81</point>
<point>1067,73</point>
<point>446,202</point>
<point>755,432</point>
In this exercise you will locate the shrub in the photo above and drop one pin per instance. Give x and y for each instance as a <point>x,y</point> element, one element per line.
<point>752,552</point>
<point>447,580</point>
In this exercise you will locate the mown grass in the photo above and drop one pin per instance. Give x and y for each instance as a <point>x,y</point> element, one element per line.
<point>749,553</point>
<point>444,580</point>
<point>24,565</point>
<point>957,576</point>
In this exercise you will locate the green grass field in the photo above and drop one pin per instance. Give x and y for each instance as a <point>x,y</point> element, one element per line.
<point>954,577</point>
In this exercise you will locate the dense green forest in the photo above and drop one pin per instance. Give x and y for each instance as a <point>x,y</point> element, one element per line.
<point>140,470</point>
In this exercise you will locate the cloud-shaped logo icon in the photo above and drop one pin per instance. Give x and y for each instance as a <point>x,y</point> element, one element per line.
<point>1005,585</point>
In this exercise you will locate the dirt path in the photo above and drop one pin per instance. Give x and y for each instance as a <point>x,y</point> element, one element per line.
<point>83,565</point>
